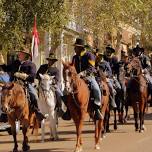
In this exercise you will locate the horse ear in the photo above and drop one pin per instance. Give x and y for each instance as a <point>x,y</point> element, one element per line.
<point>41,76</point>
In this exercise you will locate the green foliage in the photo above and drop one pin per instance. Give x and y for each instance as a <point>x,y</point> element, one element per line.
<point>51,16</point>
<point>105,15</point>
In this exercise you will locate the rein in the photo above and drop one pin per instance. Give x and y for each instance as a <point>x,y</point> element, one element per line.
<point>45,90</point>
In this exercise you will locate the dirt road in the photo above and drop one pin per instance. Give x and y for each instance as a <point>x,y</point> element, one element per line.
<point>125,139</point>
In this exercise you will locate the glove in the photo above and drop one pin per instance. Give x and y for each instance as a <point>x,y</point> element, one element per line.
<point>22,76</point>
<point>145,71</point>
<point>82,74</point>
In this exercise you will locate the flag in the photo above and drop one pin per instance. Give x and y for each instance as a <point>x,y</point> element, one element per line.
<point>35,41</point>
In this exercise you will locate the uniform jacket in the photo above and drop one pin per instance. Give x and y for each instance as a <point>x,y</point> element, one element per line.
<point>84,62</point>
<point>52,71</point>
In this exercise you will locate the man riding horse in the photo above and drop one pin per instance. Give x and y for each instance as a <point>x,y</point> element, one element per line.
<point>51,70</point>
<point>26,73</point>
<point>145,63</point>
<point>84,62</point>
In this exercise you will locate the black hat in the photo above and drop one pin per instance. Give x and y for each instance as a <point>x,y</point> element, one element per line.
<point>79,42</point>
<point>52,56</point>
<point>138,49</point>
<point>109,48</point>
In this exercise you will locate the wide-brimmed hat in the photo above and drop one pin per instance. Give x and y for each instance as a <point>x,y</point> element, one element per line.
<point>52,56</point>
<point>79,42</point>
<point>138,49</point>
<point>25,50</point>
<point>110,49</point>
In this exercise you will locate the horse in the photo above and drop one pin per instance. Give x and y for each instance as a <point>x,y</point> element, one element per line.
<point>137,92</point>
<point>47,104</point>
<point>15,103</point>
<point>78,95</point>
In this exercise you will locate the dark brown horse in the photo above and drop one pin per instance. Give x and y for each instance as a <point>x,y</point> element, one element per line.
<point>78,101</point>
<point>137,92</point>
<point>15,104</point>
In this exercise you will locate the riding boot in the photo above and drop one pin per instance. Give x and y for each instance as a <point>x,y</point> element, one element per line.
<point>98,115</point>
<point>66,115</point>
<point>38,114</point>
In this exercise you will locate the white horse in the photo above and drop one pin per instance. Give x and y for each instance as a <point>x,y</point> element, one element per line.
<point>47,103</point>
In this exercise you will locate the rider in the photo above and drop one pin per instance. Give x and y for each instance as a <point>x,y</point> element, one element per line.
<point>27,73</point>
<point>84,62</point>
<point>105,67</point>
<point>51,70</point>
<point>145,63</point>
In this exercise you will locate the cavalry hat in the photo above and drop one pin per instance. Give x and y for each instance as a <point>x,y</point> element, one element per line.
<point>79,42</point>
<point>110,49</point>
<point>52,56</point>
<point>138,49</point>
<point>25,50</point>
<point>1,59</point>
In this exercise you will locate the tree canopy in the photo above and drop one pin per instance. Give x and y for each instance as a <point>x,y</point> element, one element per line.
<point>51,16</point>
<point>105,15</point>
<point>97,16</point>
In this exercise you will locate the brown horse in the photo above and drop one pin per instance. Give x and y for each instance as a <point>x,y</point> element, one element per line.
<point>78,101</point>
<point>15,104</point>
<point>137,92</point>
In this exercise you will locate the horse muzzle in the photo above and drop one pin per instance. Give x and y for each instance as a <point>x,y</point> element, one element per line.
<point>4,109</point>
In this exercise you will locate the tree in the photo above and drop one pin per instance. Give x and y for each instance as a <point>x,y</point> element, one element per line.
<point>102,16</point>
<point>51,17</point>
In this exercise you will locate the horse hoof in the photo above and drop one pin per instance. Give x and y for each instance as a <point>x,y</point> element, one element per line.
<point>26,148</point>
<point>54,139</point>
<point>15,150</point>
<point>97,147</point>
<point>141,131</point>
<point>78,149</point>
<point>136,130</point>
<point>103,136</point>
<point>144,128</point>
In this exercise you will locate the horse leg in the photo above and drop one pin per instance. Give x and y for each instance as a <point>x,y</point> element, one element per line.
<point>126,115</point>
<point>105,124</point>
<point>136,120</point>
<point>115,119</point>
<point>53,126</point>
<point>79,125</point>
<point>98,128</point>
<point>25,147</point>
<point>141,121</point>
<point>13,128</point>
<point>42,130</point>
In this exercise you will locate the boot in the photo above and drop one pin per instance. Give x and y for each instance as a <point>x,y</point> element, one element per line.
<point>66,115</point>
<point>64,99</point>
<point>39,115</point>
<point>98,115</point>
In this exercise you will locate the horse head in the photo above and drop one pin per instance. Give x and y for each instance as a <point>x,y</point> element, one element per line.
<point>134,68</point>
<point>69,72</point>
<point>46,81</point>
<point>7,97</point>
